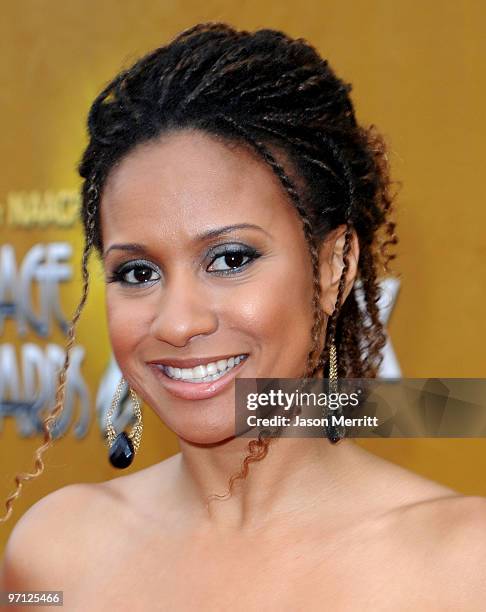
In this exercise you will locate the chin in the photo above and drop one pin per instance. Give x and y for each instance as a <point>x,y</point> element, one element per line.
<point>199,424</point>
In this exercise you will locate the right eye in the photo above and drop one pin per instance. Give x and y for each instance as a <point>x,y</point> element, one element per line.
<point>134,274</point>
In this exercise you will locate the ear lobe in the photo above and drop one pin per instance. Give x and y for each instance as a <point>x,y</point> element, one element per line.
<point>332,265</point>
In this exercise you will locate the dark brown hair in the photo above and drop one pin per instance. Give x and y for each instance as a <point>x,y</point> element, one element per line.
<point>262,89</point>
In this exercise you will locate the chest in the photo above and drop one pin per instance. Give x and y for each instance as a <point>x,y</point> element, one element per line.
<point>287,574</point>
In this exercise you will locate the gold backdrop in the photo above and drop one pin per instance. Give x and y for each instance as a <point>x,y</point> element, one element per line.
<point>417,71</point>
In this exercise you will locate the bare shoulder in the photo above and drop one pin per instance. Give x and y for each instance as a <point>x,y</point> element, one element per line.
<point>453,517</point>
<point>48,536</point>
<point>430,535</point>
<point>57,539</point>
<point>449,533</point>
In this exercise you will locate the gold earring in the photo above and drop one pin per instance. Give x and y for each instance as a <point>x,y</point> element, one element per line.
<point>333,368</point>
<point>334,432</point>
<point>124,446</point>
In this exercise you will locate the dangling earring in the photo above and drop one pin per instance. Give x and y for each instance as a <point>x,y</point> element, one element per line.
<point>124,446</point>
<point>334,432</point>
<point>333,377</point>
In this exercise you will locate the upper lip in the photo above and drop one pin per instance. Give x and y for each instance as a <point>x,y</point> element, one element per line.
<point>191,363</point>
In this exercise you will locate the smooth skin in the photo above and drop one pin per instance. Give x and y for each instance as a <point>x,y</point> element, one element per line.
<point>315,526</point>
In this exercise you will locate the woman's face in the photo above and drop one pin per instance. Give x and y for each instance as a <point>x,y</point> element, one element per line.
<point>205,259</point>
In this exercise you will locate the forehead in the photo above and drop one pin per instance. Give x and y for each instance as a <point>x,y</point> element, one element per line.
<point>188,181</point>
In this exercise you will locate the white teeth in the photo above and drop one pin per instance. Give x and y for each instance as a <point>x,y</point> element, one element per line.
<point>203,373</point>
<point>199,372</point>
<point>212,368</point>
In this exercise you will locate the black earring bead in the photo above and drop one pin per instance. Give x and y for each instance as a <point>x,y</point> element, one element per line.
<point>333,435</point>
<point>121,451</point>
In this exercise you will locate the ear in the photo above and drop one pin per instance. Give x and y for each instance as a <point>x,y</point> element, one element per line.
<point>332,264</point>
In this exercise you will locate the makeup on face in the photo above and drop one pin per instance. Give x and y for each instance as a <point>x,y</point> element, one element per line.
<point>208,278</point>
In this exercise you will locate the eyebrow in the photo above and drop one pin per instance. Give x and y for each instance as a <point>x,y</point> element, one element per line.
<point>135,247</point>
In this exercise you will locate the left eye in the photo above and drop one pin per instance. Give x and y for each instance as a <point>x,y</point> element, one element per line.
<point>233,260</point>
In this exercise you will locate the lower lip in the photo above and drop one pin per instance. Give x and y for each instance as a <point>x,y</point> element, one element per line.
<point>196,391</point>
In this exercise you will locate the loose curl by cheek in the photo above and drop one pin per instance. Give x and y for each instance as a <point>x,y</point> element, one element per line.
<point>269,92</point>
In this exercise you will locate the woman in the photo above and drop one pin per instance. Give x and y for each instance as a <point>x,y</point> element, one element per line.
<point>235,203</point>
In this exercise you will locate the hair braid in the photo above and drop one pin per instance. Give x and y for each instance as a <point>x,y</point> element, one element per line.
<point>47,423</point>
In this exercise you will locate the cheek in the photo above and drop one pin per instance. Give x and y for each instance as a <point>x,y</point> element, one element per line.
<point>125,328</point>
<point>279,315</point>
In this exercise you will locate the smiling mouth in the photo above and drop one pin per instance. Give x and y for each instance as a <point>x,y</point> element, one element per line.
<point>203,373</point>
<point>204,386</point>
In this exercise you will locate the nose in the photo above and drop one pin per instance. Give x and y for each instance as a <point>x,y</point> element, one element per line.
<point>185,310</point>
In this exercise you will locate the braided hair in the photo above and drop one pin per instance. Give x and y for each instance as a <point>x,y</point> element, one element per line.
<point>260,89</point>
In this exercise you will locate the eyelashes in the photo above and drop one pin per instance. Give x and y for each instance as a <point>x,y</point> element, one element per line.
<point>234,255</point>
<point>138,272</point>
<point>227,261</point>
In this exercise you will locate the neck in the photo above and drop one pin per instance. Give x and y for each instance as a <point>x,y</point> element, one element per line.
<point>298,477</point>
